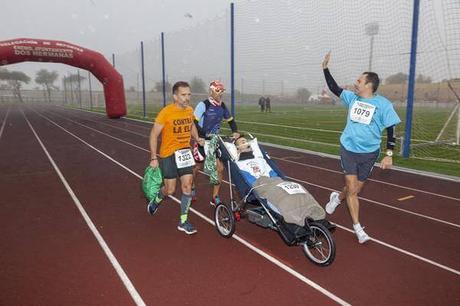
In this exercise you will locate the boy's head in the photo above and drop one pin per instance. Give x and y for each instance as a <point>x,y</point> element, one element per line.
<point>242,145</point>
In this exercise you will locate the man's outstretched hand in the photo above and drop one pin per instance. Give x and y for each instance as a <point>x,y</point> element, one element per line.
<point>327,57</point>
<point>386,163</point>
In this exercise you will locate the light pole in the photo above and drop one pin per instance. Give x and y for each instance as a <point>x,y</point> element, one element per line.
<point>372,29</point>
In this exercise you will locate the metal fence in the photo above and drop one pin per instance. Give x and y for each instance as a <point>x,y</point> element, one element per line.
<point>279,46</point>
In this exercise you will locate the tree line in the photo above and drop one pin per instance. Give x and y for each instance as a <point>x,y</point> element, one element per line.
<point>15,80</point>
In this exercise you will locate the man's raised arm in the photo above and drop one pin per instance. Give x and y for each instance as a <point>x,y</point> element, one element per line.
<point>331,83</point>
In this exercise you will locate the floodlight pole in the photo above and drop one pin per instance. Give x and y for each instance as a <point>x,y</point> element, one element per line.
<point>371,52</point>
<point>458,125</point>
<point>72,94</point>
<point>79,87</point>
<point>371,29</point>
<point>64,85</point>
<point>242,90</point>
<point>90,91</point>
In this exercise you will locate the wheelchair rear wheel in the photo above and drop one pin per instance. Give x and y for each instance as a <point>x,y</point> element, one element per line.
<point>224,220</point>
<point>319,247</point>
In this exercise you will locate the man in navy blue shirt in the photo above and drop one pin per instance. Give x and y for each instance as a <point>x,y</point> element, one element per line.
<point>209,115</point>
<point>368,115</point>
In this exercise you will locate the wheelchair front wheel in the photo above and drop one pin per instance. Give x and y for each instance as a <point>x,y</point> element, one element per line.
<point>319,247</point>
<point>224,220</point>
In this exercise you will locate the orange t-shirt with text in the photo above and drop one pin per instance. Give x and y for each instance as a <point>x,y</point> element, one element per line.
<point>177,126</point>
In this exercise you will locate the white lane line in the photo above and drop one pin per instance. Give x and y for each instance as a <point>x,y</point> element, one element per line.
<point>382,204</point>
<point>434,175</point>
<point>276,261</point>
<point>116,265</point>
<point>429,261</point>
<point>4,121</point>
<point>370,179</point>
<point>315,167</point>
<point>97,131</point>
<point>247,122</point>
<point>289,138</point>
<point>299,180</point>
<point>307,128</point>
<point>292,127</point>
<point>123,119</point>
<point>296,139</point>
<point>101,123</point>
<point>241,240</point>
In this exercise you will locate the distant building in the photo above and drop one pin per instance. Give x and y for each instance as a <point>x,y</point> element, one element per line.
<point>323,98</point>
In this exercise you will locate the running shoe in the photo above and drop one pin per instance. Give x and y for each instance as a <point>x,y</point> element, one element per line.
<point>334,201</point>
<point>215,201</point>
<point>186,227</point>
<point>362,236</point>
<point>152,207</point>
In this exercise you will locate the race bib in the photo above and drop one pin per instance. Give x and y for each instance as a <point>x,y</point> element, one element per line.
<point>291,188</point>
<point>184,158</point>
<point>362,112</point>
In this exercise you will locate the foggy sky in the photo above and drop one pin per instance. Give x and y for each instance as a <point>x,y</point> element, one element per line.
<point>108,26</point>
<point>279,45</point>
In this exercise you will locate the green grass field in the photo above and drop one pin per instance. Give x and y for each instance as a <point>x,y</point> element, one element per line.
<point>318,128</point>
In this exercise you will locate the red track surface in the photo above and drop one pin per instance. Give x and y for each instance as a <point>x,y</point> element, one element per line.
<point>49,255</point>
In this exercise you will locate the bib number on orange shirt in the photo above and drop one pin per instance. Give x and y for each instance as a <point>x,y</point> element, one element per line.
<point>184,158</point>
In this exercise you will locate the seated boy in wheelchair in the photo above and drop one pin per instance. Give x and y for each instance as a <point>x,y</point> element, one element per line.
<point>290,199</point>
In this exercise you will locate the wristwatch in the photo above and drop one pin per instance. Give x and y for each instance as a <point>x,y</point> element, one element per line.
<point>389,153</point>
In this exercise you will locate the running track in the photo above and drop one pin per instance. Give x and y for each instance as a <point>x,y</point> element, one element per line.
<point>74,228</point>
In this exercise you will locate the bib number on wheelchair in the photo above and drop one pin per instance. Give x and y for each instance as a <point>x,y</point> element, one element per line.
<point>291,188</point>
<point>184,158</point>
<point>362,112</point>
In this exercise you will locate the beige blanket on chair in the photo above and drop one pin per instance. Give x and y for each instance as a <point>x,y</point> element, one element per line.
<point>293,201</point>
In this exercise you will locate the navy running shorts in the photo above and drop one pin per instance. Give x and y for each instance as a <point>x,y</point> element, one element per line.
<point>359,164</point>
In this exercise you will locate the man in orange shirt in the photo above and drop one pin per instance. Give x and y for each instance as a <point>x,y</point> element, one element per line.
<point>175,124</point>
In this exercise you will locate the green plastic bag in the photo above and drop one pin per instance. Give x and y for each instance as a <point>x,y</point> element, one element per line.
<point>210,166</point>
<point>151,182</point>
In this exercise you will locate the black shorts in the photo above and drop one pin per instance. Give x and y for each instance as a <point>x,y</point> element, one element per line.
<point>359,164</point>
<point>169,168</point>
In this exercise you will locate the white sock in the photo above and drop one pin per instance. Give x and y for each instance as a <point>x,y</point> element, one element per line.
<point>357,227</point>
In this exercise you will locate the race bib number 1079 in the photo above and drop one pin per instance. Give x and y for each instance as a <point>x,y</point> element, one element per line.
<point>362,112</point>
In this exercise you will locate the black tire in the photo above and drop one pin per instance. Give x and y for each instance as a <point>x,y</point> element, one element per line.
<point>224,220</point>
<point>319,247</point>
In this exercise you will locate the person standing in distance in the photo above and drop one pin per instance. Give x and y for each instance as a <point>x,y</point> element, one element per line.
<point>262,104</point>
<point>368,115</point>
<point>268,107</point>
<point>175,124</point>
<point>209,115</point>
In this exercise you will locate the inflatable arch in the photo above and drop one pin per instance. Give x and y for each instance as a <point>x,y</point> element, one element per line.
<point>53,51</point>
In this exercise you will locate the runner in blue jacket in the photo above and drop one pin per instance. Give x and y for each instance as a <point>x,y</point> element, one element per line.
<point>209,115</point>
